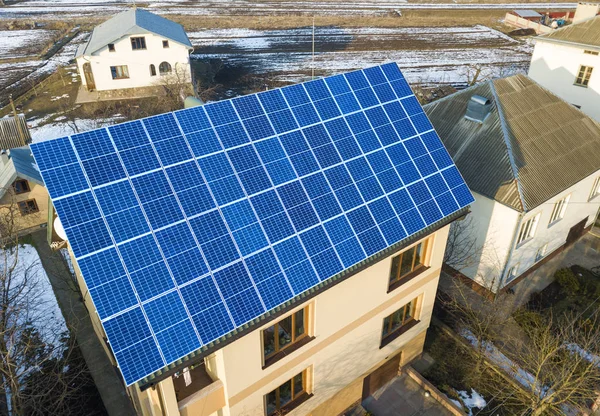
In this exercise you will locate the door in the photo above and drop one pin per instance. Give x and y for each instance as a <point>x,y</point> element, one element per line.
<point>381,376</point>
<point>576,232</point>
<point>89,76</point>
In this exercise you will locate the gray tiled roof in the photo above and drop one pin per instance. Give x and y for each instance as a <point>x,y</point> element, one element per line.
<point>133,22</point>
<point>532,146</point>
<point>20,164</point>
<point>585,33</point>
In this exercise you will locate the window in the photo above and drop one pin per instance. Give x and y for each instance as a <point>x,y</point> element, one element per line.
<point>558,212</point>
<point>512,273</point>
<point>28,207</point>
<point>541,253</point>
<point>398,323</point>
<point>164,68</point>
<point>595,188</point>
<point>21,186</point>
<point>138,43</point>
<point>285,336</point>
<point>287,396</point>
<point>119,72</point>
<point>528,228</point>
<point>165,43</point>
<point>111,47</point>
<point>583,77</point>
<point>590,52</point>
<point>152,70</point>
<point>408,264</point>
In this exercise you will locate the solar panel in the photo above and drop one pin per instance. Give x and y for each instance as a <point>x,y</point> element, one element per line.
<point>187,225</point>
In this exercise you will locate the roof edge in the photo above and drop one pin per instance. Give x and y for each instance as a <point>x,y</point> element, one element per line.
<point>198,355</point>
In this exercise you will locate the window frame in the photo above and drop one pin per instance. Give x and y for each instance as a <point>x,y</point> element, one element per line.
<point>543,250</point>
<point>595,189</point>
<point>584,74</point>
<point>111,47</point>
<point>406,323</point>
<point>152,70</point>
<point>512,273</point>
<point>588,52</point>
<point>297,341</point>
<point>26,188</point>
<point>115,74</point>
<point>28,211</point>
<point>533,221</point>
<point>163,73</point>
<point>166,44</point>
<point>416,269</point>
<point>141,40</point>
<point>559,209</point>
<point>296,398</point>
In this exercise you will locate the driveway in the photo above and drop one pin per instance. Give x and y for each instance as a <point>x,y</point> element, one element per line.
<point>402,396</point>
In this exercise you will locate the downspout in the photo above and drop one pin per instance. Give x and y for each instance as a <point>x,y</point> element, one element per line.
<point>510,253</point>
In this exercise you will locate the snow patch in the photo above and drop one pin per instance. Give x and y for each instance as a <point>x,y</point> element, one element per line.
<point>472,401</point>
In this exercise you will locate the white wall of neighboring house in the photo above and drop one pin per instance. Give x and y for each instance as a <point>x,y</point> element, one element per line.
<point>555,67</point>
<point>555,235</point>
<point>492,225</point>
<point>138,62</point>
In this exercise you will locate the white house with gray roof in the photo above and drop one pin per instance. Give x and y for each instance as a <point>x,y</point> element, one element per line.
<point>134,49</point>
<point>567,62</point>
<point>531,162</point>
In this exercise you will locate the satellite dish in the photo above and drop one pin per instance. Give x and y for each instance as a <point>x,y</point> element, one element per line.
<point>59,229</point>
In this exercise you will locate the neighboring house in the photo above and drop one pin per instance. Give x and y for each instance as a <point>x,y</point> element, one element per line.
<point>585,11</point>
<point>533,167</point>
<point>296,270</point>
<point>22,192</point>
<point>567,62</point>
<point>134,49</point>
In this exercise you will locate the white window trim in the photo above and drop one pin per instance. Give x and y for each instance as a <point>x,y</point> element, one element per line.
<point>528,229</point>
<point>595,189</point>
<point>559,209</point>
<point>512,273</point>
<point>541,253</point>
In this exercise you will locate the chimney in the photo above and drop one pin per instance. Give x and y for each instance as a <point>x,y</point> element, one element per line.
<point>478,109</point>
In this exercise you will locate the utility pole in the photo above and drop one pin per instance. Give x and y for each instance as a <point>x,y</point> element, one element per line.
<point>313,49</point>
<point>17,121</point>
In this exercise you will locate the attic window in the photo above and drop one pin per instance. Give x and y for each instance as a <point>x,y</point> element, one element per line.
<point>478,109</point>
<point>21,186</point>
<point>165,43</point>
<point>591,52</point>
<point>138,43</point>
<point>583,77</point>
<point>111,47</point>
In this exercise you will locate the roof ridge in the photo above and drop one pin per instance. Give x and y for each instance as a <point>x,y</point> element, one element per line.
<point>505,134</point>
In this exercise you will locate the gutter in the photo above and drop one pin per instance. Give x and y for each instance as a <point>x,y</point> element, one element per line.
<point>568,43</point>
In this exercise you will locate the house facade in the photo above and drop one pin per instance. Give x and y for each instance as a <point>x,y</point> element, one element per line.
<point>272,253</point>
<point>567,62</point>
<point>134,49</point>
<point>23,196</point>
<point>530,159</point>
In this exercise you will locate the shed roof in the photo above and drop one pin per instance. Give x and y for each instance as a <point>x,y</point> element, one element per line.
<point>585,33</point>
<point>532,146</point>
<point>527,13</point>
<point>133,22</point>
<point>17,163</point>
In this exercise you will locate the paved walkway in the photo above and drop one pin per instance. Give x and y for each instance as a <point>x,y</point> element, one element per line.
<point>403,397</point>
<point>76,315</point>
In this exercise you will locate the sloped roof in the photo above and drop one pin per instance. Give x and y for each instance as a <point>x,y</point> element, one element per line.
<point>133,22</point>
<point>532,146</point>
<point>527,13</point>
<point>586,33</point>
<point>20,164</point>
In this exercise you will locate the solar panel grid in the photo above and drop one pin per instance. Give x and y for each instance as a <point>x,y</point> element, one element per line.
<point>341,199</point>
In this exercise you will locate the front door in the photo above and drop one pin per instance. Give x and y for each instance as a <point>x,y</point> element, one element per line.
<point>381,376</point>
<point>89,76</point>
<point>576,232</point>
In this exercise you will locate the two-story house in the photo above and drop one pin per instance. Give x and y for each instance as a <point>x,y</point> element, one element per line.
<point>273,253</point>
<point>531,160</point>
<point>23,198</point>
<point>567,62</point>
<point>134,49</point>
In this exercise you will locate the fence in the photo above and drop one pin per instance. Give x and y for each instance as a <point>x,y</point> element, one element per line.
<point>10,137</point>
<point>517,21</point>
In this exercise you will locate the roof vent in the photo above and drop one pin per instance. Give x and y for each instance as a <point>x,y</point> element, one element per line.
<point>478,109</point>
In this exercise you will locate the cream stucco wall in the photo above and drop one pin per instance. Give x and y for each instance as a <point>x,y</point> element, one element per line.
<point>555,234</point>
<point>347,321</point>
<point>138,62</point>
<point>555,67</point>
<point>29,221</point>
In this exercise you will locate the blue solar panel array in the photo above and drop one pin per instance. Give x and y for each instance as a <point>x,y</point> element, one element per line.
<point>187,225</point>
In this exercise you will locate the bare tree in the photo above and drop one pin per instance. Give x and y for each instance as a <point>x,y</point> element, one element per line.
<point>176,85</point>
<point>462,248</point>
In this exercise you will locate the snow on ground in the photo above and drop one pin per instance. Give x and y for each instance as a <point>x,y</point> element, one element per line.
<point>472,401</point>
<point>41,130</point>
<point>12,42</point>
<point>592,358</point>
